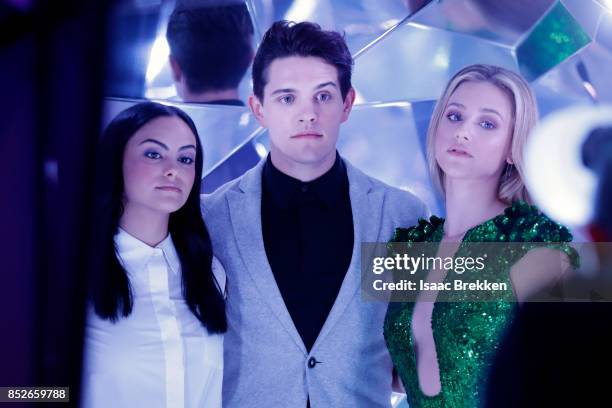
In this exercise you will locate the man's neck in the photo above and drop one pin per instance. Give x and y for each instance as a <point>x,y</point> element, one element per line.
<point>209,96</point>
<point>303,171</point>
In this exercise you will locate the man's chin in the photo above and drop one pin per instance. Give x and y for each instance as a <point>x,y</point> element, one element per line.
<point>305,154</point>
<point>312,157</point>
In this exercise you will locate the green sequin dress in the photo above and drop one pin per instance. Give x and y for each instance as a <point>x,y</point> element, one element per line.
<point>466,334</point>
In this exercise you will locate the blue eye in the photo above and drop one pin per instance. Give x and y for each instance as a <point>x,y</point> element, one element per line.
<point>287,99</point>
<point>186,160</point>
<point>152,155</point>
<point>453,117</point>
<point>323,97</point>
<point>487,124</point>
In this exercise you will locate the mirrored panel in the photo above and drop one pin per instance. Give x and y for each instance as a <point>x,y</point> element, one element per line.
<point>387,141</point>
<point>133,27</point>
<point>553,39</point>
<point>502,21</point>
<point>603,34</point>
<point>361,21</point>
<point>587,13</point>
<point>423,53</point>
<point>409,64</point>
<point>222,129</point>
<point>184,50</point>
<point>420,60</point>
<point>582,79</point>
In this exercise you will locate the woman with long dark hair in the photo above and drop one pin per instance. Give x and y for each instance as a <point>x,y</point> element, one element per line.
<point>155,327</point>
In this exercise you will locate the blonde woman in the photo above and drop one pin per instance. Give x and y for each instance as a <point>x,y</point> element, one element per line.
<point>475,142</point>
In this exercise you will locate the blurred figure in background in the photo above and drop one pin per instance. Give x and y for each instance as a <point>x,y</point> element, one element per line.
<point>211,49</point>
<point>554,353</point>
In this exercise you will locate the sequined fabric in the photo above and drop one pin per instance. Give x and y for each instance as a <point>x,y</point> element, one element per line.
<point>467,334</point>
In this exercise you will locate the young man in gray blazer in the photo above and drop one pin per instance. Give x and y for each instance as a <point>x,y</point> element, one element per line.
<point>289,233</point>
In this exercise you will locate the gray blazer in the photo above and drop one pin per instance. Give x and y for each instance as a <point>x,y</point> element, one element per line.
<point>266,363</point>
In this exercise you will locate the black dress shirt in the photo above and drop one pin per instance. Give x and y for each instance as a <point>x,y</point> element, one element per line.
<point>308,237</point>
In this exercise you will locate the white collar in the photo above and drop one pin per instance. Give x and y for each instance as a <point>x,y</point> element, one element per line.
<point>134,254</point>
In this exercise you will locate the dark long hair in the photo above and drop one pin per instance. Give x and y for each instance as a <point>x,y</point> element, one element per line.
<point>110,285</point>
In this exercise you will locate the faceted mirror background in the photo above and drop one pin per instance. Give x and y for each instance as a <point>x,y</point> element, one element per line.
<point>564,48</point>
<point>405,52</point>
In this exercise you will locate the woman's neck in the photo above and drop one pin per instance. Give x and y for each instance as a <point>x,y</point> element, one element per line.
<point>151,227</point>
<point>469,203</point>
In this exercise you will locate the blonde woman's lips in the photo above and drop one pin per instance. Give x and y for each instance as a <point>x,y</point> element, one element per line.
<point>456,151</point>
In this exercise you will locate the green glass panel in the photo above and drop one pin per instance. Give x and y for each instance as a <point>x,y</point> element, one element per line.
<point>554,38</point>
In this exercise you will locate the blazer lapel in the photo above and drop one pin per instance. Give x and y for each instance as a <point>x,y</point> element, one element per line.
<point>366,205</point>
<point>245,214</point>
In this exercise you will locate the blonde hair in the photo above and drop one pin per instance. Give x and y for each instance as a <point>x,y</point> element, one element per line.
<point>524,118</point>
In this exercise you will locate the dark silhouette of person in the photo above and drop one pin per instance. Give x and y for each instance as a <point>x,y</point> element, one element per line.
<point>211,49</point>
<point>554,353</point>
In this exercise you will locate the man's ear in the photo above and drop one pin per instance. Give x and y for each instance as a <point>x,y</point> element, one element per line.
<point>257,109</point>
<point>348,104</point>
<point>177,74</point>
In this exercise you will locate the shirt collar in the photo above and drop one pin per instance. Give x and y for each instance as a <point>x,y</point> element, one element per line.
<point>283,189</point>
<point>134,254</point>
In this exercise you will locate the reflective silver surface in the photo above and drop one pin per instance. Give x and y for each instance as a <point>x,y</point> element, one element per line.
<point>159,82</point>
<point>501,21</point>
<point>360,20</point>
<point>221,128</point>
<point>563,47</point>
<point>587,13</point>
<point>545,40</point>
<point>393,149</point>
<point>420,60</point>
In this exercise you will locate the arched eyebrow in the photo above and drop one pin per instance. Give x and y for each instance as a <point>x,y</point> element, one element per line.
<point>493,111</point>
<point>283,90</point>
<point>457,104</point>
<point>164,146</point>
<point>487,110</point>
<point>328,83</point>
